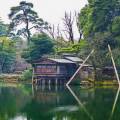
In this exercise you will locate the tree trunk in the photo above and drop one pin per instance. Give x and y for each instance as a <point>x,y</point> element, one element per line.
<point>28,32</point>
<point>71,35</point>
<point>80,37</point>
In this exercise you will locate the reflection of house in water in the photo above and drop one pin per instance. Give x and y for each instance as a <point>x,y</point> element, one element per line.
<point>58,71</point>
<point>61,100</point>
<point>48,94</point>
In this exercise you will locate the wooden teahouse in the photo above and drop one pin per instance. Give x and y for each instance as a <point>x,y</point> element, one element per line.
<point>55,71</point>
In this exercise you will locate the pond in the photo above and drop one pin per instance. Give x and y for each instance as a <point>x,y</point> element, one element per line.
<point>24,102</point>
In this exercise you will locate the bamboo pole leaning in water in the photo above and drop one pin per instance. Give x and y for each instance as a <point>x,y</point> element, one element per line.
<point>79,68</point>
<point>114,104</point>
<point>118,79</point>
<point>80,103</point>
<point>114,65</point>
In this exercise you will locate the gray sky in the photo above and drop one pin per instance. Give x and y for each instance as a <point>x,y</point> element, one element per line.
<point>51,11</point>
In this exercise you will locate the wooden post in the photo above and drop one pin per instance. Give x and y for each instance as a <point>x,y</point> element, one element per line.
<point>42,84</point>
<point>79,68</point>
<point>33,75</point>
<point>49,84</point>
<point>56,81</point>
<point>56,86</point>
<point>58,69</point>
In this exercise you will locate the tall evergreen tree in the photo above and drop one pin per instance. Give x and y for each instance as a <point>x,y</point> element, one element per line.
<point>24,15</point>
<point>40,45</point>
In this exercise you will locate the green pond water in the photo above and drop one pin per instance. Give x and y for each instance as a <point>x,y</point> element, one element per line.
<point>24,102</point>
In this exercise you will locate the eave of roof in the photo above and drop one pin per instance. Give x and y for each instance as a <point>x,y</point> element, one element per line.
<point>61,60</point>
<point>86,65</point>
<point>74,59</point>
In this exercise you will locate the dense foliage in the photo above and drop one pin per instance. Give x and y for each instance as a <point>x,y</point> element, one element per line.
<point>40,45</point>
<point>7,55</point>
<point>73,48</point>
<point>100,23</point>
<point>26,75</point>
<point>3,29</point>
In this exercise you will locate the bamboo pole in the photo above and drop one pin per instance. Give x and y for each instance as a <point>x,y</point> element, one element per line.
<point>114,104</point>
<point>114,65</point>
<point>79,68</point>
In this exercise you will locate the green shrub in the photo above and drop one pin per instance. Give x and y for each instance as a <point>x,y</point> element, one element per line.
<point>26,75</point>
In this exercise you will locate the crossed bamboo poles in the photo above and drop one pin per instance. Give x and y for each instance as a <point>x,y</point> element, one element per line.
<point>117,76</point>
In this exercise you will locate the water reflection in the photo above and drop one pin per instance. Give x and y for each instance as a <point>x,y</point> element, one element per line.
<point>35,103</point>
<point>79,102</point>
<point>115,102</point>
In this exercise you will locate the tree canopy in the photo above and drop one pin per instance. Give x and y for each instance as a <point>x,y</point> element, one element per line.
<point>25,16</point>
<point>98,16</point>
<point>100,21</point>
<point>40,45</point>
<point>7,55</point>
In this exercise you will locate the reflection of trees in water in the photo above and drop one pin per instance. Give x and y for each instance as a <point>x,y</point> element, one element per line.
<point>45,101</point>
<point>11,101</point>
<point>48,103</point>
<point>7,105</point>
<point>36,111</point>
<point>100,107</point>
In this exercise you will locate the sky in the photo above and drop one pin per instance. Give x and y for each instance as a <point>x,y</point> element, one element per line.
<point>51,11</point>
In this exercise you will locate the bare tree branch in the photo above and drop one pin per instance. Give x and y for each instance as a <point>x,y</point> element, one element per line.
<point>68,21</point>
<point>79,27</point>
